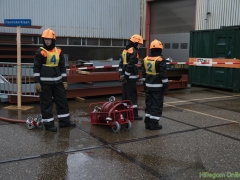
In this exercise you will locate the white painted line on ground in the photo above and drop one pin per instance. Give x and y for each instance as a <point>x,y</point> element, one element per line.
<point>204,114</point>
<point>204,99</point>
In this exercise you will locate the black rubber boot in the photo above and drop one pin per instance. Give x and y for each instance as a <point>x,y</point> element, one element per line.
<point>70,124</point>
<point>154,125</point>
<point>50,126</point>
<point>52,129</point>
<point>138,118</point>
<point>146,121</point>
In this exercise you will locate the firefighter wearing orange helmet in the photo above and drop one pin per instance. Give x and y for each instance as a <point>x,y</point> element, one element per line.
<point>155,80</point>
<point>51,81</point>
<point>128,72</point>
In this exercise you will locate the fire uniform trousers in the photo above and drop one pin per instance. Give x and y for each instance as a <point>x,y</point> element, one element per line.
<point>129,70</point>
<point>49,70</point>
<point>156,81</point>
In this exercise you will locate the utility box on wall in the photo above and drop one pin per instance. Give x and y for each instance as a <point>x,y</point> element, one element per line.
<point>216,43</point>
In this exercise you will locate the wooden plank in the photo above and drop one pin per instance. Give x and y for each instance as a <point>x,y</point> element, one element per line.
<point>19,108</point>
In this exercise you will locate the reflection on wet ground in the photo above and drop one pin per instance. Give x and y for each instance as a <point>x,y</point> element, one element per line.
<point>200,139</point>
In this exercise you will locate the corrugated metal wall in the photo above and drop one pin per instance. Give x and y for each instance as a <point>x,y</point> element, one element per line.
<point>116,19</point>
<point>212,14</point>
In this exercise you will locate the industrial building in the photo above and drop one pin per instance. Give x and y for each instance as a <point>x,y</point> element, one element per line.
<point>87,30</point>
<point>91,30</point>
<point>172,20</point>
<point>200,135</point>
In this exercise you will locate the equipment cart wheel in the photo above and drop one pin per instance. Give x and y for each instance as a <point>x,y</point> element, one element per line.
<point>116,127</point>
<point>128,126</point>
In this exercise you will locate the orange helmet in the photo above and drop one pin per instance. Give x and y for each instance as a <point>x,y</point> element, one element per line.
<point>48,33</point>
<point>156,44</point>
<point>136,38</point>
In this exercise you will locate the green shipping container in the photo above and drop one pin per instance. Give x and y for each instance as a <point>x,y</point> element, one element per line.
<point>215,43</point>
<point>225,78</point>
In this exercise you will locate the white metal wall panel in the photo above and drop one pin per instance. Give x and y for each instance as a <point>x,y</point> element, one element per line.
<point>76,18</point>
<point>222,13</point>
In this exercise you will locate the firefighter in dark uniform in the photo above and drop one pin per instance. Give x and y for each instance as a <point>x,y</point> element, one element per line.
<point>156,84</point>
<point>128,72</point>
<point>51,82</point>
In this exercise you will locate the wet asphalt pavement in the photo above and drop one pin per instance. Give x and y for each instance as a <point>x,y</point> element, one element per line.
<point>200,139</point>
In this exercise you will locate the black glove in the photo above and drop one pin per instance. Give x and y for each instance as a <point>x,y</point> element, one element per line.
<point>165,88</point>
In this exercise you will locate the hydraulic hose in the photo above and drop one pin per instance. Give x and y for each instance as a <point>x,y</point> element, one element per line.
<point>12,120</point>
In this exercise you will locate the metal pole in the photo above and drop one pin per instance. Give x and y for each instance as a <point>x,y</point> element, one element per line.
<point>19,67</point>
<point>206,16</point>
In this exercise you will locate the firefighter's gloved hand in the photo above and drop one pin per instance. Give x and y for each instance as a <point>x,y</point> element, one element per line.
<point>165,88</point>
<point>122,79</point>
<point>38,88</point>
<point>65,85</point>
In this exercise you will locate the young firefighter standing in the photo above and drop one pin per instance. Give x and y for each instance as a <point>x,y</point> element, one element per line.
<point>156,84</point>
<point>51,81</point>
<point>128,72</point>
